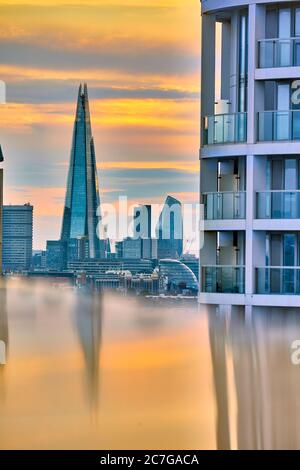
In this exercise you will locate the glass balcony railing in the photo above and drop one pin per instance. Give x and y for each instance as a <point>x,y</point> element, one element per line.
<point>225,129</point>
<point>278,205</point>
<point>224,205</point>
<point>223,279</point>
<point>279,53</point>
<point>278,125</point>
<point>278,280</point>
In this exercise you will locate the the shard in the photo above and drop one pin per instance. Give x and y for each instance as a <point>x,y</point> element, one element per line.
<point>80,219</point>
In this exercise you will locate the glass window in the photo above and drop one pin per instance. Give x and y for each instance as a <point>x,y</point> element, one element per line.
<point>289,247</point>
<point>243,62</point>
<point>290,174</point>
<point>297,22</point>
<point>285,23</point>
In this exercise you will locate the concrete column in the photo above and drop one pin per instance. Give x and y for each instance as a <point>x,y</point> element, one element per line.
<point>225,61</point>
<point>234,62</point>
<point>249,275</point>
<point>256,30</point>
<point>208,65</point>
<point>255,240</point>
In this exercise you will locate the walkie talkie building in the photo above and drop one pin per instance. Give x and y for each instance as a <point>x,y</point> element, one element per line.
<point>250,152</point>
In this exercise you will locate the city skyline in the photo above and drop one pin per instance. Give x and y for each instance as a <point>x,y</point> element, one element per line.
<point>145,109</point>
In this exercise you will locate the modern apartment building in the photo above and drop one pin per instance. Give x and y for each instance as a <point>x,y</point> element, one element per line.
<point>250,152</point>
<point>17,237</point>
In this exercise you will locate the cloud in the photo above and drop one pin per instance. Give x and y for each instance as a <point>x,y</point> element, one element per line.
<point>133,58</point>
<point>58,91</point>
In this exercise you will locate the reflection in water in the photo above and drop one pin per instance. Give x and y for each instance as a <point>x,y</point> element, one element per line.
<point>265,382</point>
<point>167,372</point>
<point>89,322</point>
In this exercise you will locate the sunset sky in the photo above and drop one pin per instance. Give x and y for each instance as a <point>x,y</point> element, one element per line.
<point>140,59</point>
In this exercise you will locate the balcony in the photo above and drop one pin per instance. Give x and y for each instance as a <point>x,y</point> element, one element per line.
<point>276,126</point>
<point>278,280</point>
<point>224,205</point>
<point>223,279</point>
<point>279,53</point>
<point>225,129</point>
<point>278,205</point>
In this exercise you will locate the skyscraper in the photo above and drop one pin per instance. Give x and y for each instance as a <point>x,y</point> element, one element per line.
<point>80,219</point>
<point>17,237</point>
<point>143,231</point>
<point>170,230</point>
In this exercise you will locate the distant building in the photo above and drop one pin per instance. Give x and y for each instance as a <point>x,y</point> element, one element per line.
<point>142,221</point>
<point>17,237</point>
<point>126,282</point>
<point>179,278</point>
<point>143,231</point>
<point>56,255</point>
<point>97,268</point>
<point>170,230</point>
<point>132,248</point>
<point>149,248</point>
<point>39,260</point>
<point>192,262</point>
<point>119,249</point>
<point>139,284</point>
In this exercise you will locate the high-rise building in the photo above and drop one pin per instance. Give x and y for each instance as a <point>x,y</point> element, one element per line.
<point>39,260</point>
<point>142,221</point>
<point>170,230</point>
<point>132,248</point>
<point>250,162</point>
<point>80,219</point>
<point>56,255</point>
<point>143,230</point>
<point>17,237</point>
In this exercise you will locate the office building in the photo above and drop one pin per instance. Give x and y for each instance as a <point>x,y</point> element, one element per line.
<point>39,260</point>
<point>169,230</point>
<point>56,255</point>
<point>191,262</point>
<point>179,278</point>
<point>17,237</point>
<point>132,248</point>
<point>142,218</point>
<point>99,267</point>
<point>250,161</point>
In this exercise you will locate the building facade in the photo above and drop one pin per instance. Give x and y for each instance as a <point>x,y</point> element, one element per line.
<point>250,152</point>
<point>179,278</point>
<point>56,255</point>
<point>17,237</point>
<point>142,230</point>
<point>80,218</point>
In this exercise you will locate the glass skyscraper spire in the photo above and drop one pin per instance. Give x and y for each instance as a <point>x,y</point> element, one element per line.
<point>80,218</point>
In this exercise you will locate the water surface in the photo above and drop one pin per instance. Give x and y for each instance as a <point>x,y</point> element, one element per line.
<point>110,372</point>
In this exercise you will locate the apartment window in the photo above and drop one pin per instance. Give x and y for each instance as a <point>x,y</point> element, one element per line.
<point>243,62</point>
